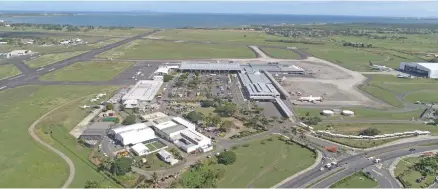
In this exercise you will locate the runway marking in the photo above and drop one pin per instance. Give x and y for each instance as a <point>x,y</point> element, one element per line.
<point>1,88</point>
<point>377,172</point>
<point>40,69</point>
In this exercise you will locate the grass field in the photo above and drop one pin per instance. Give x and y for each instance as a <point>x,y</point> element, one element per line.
<point>281,53</point>
<point>386,87</point>
<point>88,71</point>
<point>8,70</point>
<point>355,143</point>
<point>363,113</point>
<point>411,175</point>
<point>254,37</point>
<point>357,180</point>
<point>41,167</point>
<point>48,59</point>
<point>264,165</point>
<point>355,128</point>
<point>429,96</point>
<point>153,49</point>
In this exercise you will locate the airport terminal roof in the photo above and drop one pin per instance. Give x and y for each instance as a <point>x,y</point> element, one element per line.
<point>210,66</point>
<point>144,90</point>
<point>251,67</point>
<point>258,84</point>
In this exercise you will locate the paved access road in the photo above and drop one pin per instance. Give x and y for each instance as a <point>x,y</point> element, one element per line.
<point>30,75</point>
<point>356,162</point>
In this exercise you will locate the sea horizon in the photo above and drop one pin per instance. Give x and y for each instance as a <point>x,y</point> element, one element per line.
<point>208,20</point>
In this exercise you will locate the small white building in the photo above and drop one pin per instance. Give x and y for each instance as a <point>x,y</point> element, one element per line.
<point>66,42</point>
<point>191,141</point>
<point>140,149</point>
<point>164,70</point>
<point>16,53</point>
<point>167,157</point>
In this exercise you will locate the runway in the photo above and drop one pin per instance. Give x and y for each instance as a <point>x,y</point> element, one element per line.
<point>30,75</point>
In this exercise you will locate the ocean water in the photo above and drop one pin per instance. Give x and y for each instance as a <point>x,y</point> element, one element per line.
<point>177,20</point>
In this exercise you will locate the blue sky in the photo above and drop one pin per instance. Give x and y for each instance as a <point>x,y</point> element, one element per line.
<point>359,8</point>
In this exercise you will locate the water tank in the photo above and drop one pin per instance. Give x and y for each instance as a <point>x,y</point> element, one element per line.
<point>327,113</point>
<point>347,113</point>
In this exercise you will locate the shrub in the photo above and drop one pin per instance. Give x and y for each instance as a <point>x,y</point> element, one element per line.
<point>227,158</point>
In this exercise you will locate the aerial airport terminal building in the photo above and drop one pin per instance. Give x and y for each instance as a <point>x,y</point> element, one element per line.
<point>256,79</point>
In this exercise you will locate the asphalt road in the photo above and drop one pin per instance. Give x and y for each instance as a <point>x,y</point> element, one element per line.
<point>30,76</point>
<point>361,163</point>
<point>355,160</point>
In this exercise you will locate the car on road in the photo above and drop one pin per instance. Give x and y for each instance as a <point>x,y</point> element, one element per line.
<point>370,158</point>
<point>321,169</point>
<point>412,149</point>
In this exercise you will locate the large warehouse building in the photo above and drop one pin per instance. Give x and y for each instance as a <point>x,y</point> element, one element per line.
<point>178,131</point>
<point>429,70</point>
<point>143,91</point>
<point>133,134</point>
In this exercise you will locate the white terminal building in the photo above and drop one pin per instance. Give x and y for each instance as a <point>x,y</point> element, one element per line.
<point>429,70</point>
<point>143,91</point>
<point>179,131</point>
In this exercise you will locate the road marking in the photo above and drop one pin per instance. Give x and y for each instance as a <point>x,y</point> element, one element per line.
<point>377,172</point>
<point>16,77</point>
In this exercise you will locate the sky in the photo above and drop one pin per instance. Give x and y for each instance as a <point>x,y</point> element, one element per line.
<point>356,8</point>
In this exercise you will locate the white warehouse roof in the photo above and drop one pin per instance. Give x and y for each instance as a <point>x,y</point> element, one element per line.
<point>140,149</point>
<point>144,90</point>
<point>135,136</point>
<point>129,128</point>
<point>184,122</point>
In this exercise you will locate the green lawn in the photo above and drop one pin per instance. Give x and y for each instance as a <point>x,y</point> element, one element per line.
<point>386,87</point>
<point>8,70</point>
<point>41,167</point>
<point>430,96</point>
<point>153,49</point>
<point>357,180</point>
<point>281,53</point>
<point>410,176</point>
<point>383,94</point>
<point>356,143</point>
<point>88,71</point>
<point>253,37</point>
<point>355,128</point>
<point>264,165</point>
<point>363,113</point>
<point>48,59</point>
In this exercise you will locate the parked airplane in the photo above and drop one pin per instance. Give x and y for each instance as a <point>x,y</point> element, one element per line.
<point>379,67</point>
<point>310,99</point>
<point>84,106</point>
